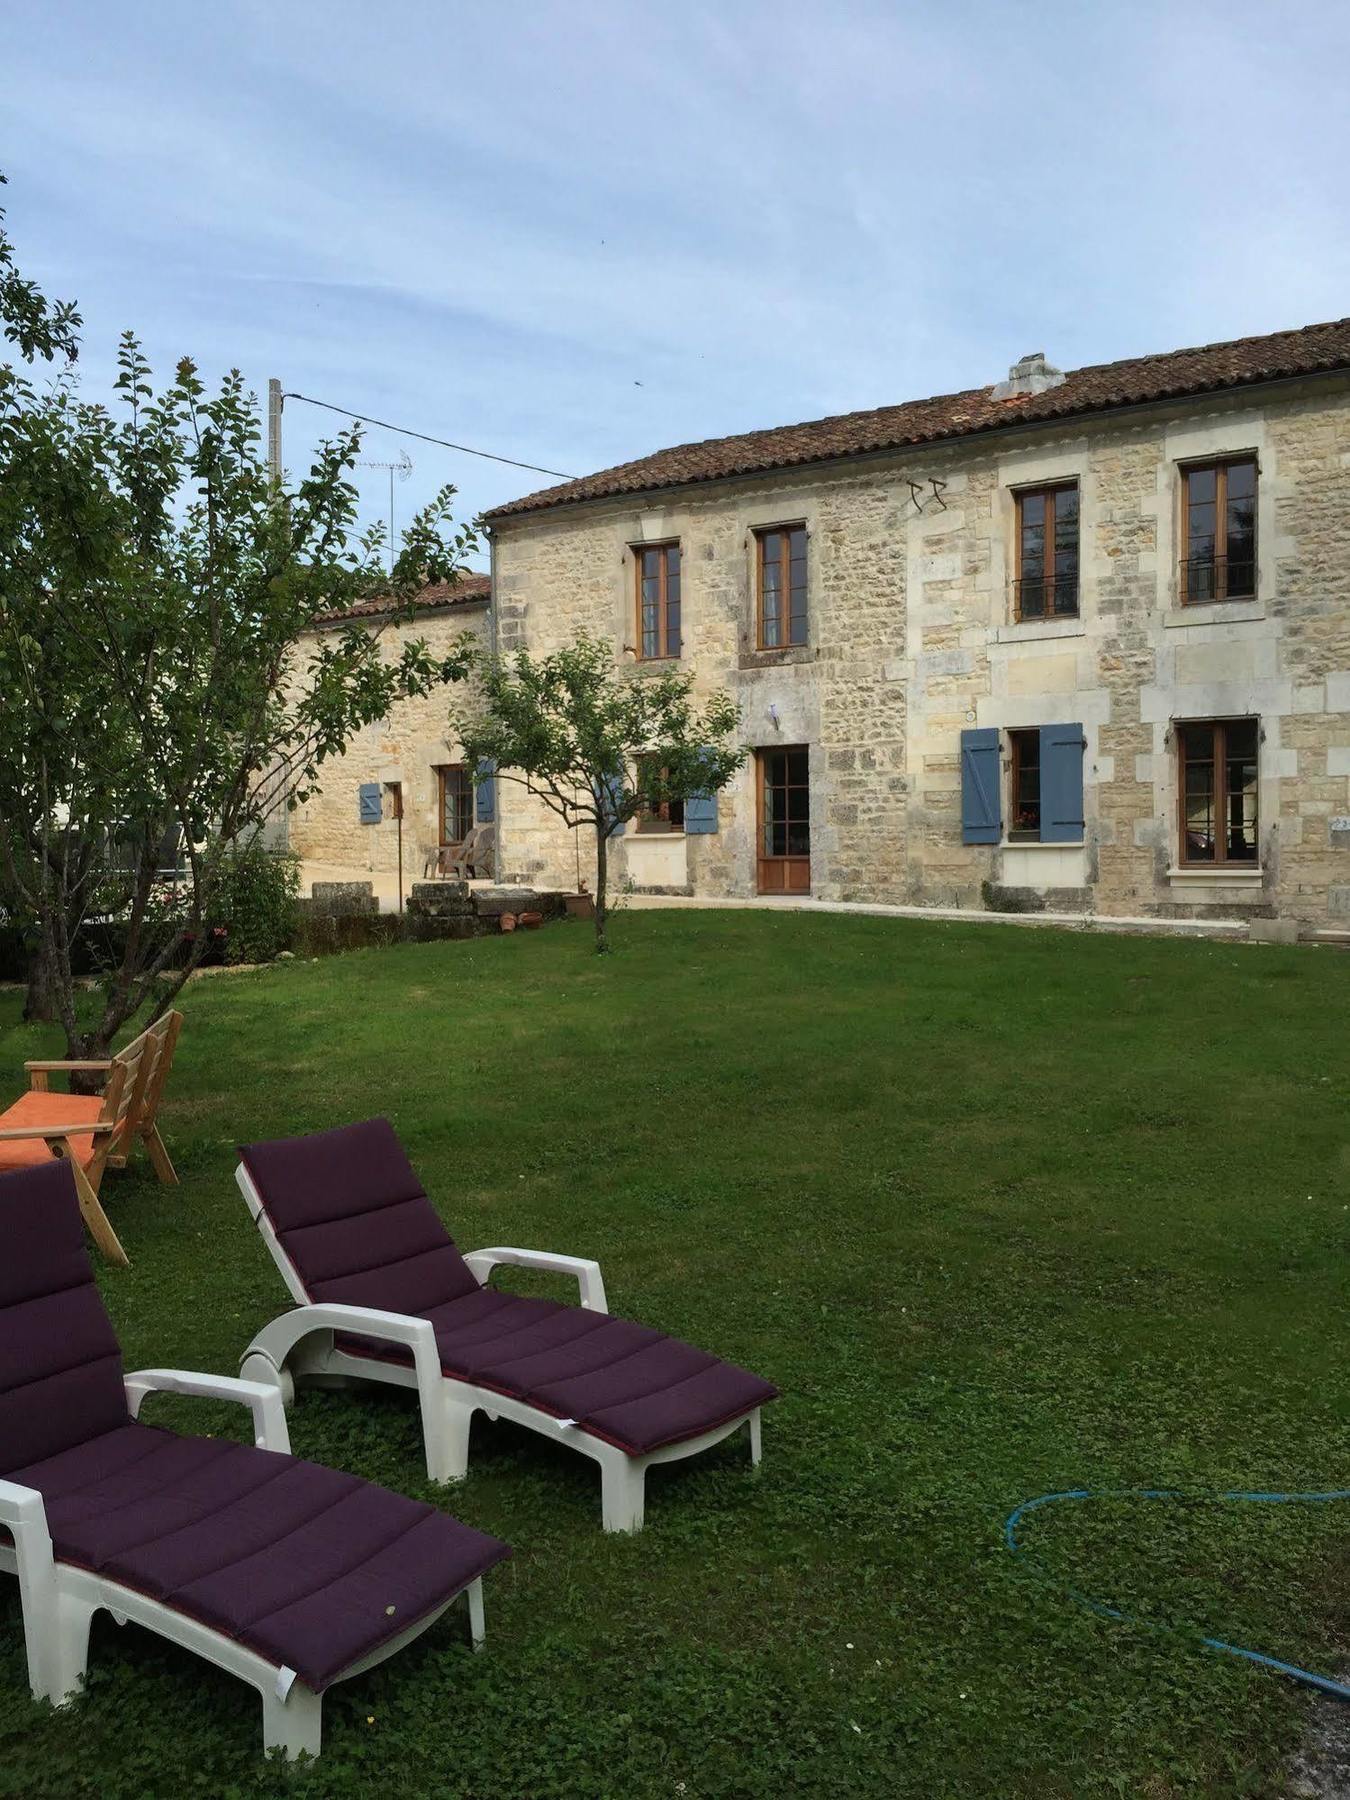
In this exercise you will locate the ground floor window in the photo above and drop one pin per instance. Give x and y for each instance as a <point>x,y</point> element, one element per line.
<point>659,815</point>
<point>456,804</point>
<point>1217,759</point>
<point>1025,785</point>
<point>784,826</point>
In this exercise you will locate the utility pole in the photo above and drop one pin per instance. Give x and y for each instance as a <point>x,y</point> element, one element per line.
<point>274,404</point>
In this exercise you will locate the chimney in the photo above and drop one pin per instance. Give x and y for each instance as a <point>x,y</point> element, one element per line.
<point>1032,375</point>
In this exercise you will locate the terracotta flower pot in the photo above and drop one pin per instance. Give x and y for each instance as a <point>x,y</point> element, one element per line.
<point>508,921</point>
<point>531,920</point>
<point>580,906</point>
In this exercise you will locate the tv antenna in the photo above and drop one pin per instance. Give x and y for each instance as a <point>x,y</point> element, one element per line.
<point>401,470</point>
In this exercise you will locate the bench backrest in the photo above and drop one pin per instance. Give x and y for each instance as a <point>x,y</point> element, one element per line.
<point>351,1218</point>
<point>136,1081</point>
<point>60,1364</point>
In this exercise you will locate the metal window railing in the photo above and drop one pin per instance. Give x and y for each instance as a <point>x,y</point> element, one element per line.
<point>1045,597</point>
<point>1205,579</point>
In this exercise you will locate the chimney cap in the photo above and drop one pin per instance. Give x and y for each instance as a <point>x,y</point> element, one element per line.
<point>1032,374</point>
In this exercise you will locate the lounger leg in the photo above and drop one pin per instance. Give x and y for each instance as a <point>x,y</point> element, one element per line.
<point>445,1434</point>
<point>293,1724</point>
<point>622,1492</point>
<point>477,1627</point>
<point>756,1445</point>
<point>68,1650</point>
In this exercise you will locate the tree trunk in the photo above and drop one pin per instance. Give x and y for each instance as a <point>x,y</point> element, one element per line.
<point>39,1006</point>
<point>601,890</point>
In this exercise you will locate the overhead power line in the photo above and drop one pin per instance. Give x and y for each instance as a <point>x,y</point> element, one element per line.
<point>445,443</point>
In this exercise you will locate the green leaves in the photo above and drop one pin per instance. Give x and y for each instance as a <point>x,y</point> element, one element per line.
<point>598,742</point>
<point>154,583</point>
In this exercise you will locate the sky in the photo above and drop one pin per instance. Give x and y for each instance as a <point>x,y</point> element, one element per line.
<point>574,233</point>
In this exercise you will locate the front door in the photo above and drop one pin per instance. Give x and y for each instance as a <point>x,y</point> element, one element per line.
<point>784,860</point>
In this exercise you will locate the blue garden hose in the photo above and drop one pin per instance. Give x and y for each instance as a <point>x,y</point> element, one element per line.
<point>1010,1524</point>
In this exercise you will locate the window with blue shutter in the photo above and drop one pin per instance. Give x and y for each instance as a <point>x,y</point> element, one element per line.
<point>1062,748</point>
<point>368,802</point>
<point>485,793</point>
<point>981,805</point>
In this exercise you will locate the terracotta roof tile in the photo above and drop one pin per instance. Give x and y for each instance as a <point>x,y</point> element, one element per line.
<point>1101,387</point>
<point>468,589</point>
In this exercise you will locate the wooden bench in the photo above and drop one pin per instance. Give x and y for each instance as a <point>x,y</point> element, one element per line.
<point>95,1131</point>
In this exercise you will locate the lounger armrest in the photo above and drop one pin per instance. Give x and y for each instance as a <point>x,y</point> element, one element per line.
<point>24,1515</point>
<point>587,1272</point>
<point>262,1399</point>
<point>276,1341</point>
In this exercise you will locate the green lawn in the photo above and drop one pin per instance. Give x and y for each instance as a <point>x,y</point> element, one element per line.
<point>1001,1211</point>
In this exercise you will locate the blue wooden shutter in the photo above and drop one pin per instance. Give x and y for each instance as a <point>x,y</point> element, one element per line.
<point>700,813</point>
<point>368,800</point>
<point>981,785</point>
<point>485,793</point>
<point>1062,748</point>
<point>611,799</point>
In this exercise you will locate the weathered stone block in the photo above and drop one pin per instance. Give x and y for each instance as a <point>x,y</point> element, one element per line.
<point>344,899</point>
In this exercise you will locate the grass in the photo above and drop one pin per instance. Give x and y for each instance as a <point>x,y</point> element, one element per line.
<point>1001,1212</point>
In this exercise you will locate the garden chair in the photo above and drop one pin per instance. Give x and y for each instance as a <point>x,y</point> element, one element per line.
<point>95,1132</point>
<point>462,862</point>
<point>286,1574</point>
<point>383,1294</point>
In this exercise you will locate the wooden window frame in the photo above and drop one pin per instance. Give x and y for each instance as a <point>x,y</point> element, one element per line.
<point>1016,738</point>
<point>663,653</point>
<point>1221,859</point>
<point>442,771</point>
<point>1220,465</point>
<point>665,819</point>
<point>762,535</point>
<point>1046,491</point>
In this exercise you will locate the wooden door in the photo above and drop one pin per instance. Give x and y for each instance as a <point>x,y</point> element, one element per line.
<point>784,820</point>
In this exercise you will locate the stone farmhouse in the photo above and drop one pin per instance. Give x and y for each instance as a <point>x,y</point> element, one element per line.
<point>1069,642</point>
<point>402,784</point>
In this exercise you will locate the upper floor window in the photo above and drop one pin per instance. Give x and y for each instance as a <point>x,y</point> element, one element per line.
<point>1217,773</point>
<point>658,577</point>
<point>1218,531</point>
<point>782,586</point>
<point>1047,553</point>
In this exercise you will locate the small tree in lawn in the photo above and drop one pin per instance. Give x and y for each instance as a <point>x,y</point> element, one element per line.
<point>154,582</point>
<point>596,743</point>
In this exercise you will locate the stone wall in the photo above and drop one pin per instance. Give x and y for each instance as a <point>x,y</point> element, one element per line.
<point>407,746</point>
<point>912,641</point>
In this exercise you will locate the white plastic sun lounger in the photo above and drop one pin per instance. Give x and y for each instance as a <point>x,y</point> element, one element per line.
<point>382,1294</point>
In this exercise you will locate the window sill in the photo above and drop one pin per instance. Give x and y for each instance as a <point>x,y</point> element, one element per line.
<point>1215,875</point>
<point>656,837</point>
<point>644,662</point>
<point>754,657</point>
<point>1027,631</point>
<point>1039,844</point>
<point>1219,612</point>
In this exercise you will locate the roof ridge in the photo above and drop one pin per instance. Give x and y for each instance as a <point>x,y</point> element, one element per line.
<point>1091,388</point>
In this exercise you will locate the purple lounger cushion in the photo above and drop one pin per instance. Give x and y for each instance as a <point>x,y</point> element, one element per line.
<point>299,1563</point>
<point>354,1220</point>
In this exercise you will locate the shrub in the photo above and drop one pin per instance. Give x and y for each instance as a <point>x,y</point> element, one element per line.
<point>256,903</point>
